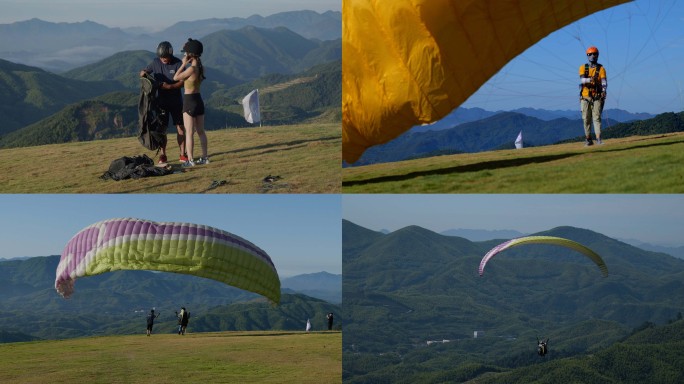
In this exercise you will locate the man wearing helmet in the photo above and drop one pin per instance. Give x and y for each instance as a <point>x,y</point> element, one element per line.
<point>163,68</point>
<point>593,86</point>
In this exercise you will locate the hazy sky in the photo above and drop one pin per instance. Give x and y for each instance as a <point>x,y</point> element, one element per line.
<point>641,45</point>
<point>153,13</point>
<point>301,233</point>
<point>656,219</point>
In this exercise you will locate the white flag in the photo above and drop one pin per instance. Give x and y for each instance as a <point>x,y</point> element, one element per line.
<point>251,105</point>
<point>518,141</point>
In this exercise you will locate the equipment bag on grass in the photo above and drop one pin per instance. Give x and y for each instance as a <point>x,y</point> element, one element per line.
<point>133,168</point>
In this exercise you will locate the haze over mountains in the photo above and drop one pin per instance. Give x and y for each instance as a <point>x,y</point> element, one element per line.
<point>463,115</point>
<point>59,47</point>
<point>411,286</point>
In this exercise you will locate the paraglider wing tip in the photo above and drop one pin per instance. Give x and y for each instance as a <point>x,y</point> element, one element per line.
<point>65,287</point>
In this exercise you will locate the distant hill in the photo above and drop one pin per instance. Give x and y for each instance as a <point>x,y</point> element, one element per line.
<point>672,251</point>
<point>322,285</point>
<point>82,121</point>
<point>109,116</point>
<point>310,24</point>
<point>482,234</point>
<point>411,286</point>
<point>315,94</point>
<point>111,303</point>
<point>496,132</point>
<point>619,115</point>
<point>252,52</point>
<point>499,132</point>
<point>116,115</point>
<point>663,123</point>
<point>236,56</point>
<point>465,115</point>
<point>28,94</point>
<point>60,47</point>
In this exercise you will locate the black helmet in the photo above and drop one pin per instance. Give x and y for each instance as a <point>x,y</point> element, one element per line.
<point>164,49</point>
<point>193,46</point>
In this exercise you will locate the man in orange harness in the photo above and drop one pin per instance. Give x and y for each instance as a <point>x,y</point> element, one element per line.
<point>593,86</point>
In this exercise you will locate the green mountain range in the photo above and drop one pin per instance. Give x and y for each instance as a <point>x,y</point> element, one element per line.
<point>500,131</point>
<point>117,302</point>
<point>99,101</point>
<point>404,289</point>
<point>252,52</point>
<point>29,94</point>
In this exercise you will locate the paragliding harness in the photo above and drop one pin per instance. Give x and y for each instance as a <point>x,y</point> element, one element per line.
<point>595,88</point>
<point>542,348</point>
<point>152,133</point>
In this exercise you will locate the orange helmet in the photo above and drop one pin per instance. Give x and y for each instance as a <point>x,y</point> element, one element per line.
<point>591,50</point>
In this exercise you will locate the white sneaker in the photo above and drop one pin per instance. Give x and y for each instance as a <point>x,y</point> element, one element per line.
<point>188,164</point>
<point>203,160</point>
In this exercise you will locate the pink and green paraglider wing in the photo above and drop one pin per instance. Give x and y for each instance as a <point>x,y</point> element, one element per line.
<point>193,249</point>
<point>544,240</point>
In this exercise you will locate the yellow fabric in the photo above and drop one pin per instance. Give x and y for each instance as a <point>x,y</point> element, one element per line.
<point>409,62</point>
<point>592,73</point>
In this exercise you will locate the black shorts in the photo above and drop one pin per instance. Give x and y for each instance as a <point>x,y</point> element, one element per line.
<point>173,110</point>
<point>193,104</point>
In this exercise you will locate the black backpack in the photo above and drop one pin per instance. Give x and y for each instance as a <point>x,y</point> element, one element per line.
<point>152,133</point>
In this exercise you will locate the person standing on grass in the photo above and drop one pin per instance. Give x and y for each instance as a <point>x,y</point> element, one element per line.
<point>183,319</point>
<point>593,90</point>
<point>330,321</point>
<point>192,75</point>
<point>163,68</point>
<point>150,321</point>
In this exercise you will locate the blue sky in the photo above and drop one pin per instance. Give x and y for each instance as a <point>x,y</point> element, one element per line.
<point>301,233</point>
<point>655,219</point>
<point>153,13</point>
<point>641,45</point>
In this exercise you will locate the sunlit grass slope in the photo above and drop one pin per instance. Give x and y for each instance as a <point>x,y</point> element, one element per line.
<point>637,164</point>
<point>226,357</point>
<point>306,157</point>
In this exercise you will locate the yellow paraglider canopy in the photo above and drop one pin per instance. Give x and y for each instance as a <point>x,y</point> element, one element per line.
<point>410,62</point>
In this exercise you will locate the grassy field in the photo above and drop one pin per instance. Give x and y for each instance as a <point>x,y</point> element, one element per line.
<point>227,357</point>
<point>638,164</point>
<point>306,157</point>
